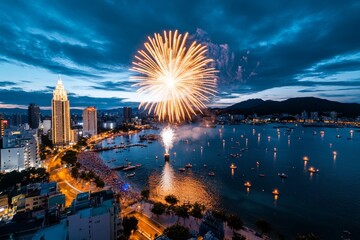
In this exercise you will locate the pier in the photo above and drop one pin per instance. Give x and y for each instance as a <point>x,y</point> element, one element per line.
<point>118,146</point>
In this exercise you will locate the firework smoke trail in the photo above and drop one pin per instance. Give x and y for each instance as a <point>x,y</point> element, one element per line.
<point>167,135</point>
<point>175,77</point>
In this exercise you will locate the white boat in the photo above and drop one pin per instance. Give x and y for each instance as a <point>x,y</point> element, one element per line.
<point>130,175</point>
<point>211,174</point>
<point>129,168</point>
<point>282,175</point>
<point>188,165</point>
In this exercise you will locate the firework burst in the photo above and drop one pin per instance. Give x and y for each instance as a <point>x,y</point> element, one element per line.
<point>175,76</point>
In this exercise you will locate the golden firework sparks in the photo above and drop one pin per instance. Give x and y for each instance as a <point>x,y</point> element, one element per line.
<point>177,77</point>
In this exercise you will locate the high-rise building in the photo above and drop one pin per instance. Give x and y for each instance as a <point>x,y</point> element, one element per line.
<point>34,115</point>
<point>89,121</point>
<point>127,114</point>
<point>3,125</point>
<point>61,132</point>
<point>94,216</point>
<point>20,149</point>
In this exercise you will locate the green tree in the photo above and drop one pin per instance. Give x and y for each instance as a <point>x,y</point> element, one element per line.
<point>158,208</point>
<point>30,175</point>
<point>263,225</point>
<point>238,236</point>
<point>99,183</point>
<point>171,199</point>
<point>75,172</point>
<point>129,224</point>
<point>69,157</point>
<point>91,174</point>
<point>182,211</point>
<point>145,194</point>
<point>197,210</point>
<point>234,222</point>
<point>219,214</point>
<point>177,232</point>
<point>309,236</point>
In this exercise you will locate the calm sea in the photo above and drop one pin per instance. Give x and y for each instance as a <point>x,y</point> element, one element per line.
<point>326,203</point>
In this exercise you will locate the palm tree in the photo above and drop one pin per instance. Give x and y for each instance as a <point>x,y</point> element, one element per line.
<point>145,194</point>
<point>171,199</point>
<point>182,211</point>
<point>309,236</point>
<point>177,232</point>
<point>197,210</point>
<point>263,225</point>
<point>158,209</point>
<point>234,222</point>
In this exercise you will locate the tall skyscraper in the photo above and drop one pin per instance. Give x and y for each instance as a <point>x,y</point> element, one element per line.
<point>61,132</point>
<point>34,115</point>
<point>90,121</point>
<point>127,114</point>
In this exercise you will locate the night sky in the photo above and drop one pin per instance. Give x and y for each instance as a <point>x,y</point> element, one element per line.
<point>263,49</point>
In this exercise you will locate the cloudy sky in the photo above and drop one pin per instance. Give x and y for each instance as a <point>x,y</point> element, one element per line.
<point>264,49</point>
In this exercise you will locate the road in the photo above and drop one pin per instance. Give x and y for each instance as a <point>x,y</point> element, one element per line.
<point>67,185</point>
<point>147,228</point>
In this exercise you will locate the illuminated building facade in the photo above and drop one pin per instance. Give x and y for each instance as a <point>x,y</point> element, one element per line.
<point>90,121</point>
<point>3,125</point>
<point>61,132</point>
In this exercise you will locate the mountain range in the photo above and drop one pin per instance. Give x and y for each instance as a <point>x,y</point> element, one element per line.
<point>294,106</point>
<point>259,106</point>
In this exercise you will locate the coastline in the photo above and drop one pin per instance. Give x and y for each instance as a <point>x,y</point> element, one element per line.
<point>112,179</point>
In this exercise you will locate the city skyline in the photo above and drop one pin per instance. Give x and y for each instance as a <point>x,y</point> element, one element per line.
<point>268,51</point>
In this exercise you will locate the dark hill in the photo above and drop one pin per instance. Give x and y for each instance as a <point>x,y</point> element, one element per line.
<point>294,106</point>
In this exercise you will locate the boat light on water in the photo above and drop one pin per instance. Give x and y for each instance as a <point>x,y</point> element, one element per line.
<point>305,158</point>
<point>334,153</point>
<point>276,192</point>
<point>313,170</point>
<point>232,166</point>
<point>247,184</point>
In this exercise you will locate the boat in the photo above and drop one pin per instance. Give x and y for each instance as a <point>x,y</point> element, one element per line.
<point>138,165</point>
<point>338,136</point>
<point>205,165</point>
<point>247,184</point>
<point>129,168</point>
<point>276,192</point>
<point>232,166</point>
<point>261,175</point>
<point>313,170</point>
<point>305,158</point>
<point>275,149</point>
<point>188,165</point>
<point>282,175</point>
<point>211,174</point>
<point>182,169</point>
<point>130,175</point>
<point>156,157</point>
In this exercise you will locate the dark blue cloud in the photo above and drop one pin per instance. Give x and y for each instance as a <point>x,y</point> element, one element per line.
<point>43,99</point>
<point>256,45</point>
<point>7,84</point>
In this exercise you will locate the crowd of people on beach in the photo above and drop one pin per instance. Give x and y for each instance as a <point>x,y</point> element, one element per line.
<point>92,161</point>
